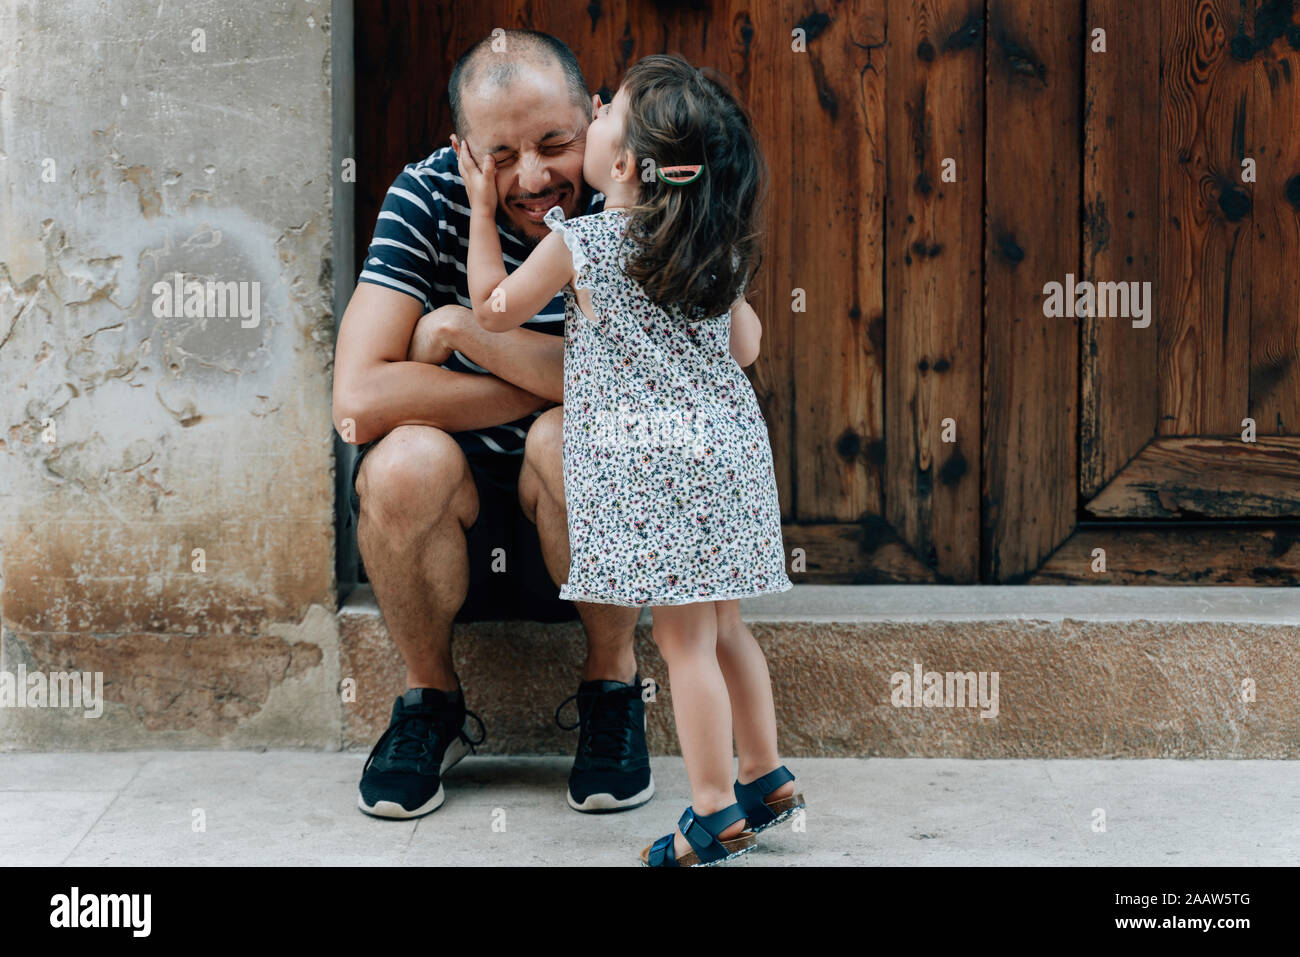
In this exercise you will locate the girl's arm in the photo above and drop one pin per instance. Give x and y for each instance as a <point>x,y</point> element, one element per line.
<point>503,302</point>
<point>746,331</point>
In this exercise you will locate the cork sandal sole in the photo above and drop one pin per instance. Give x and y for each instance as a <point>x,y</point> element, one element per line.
<point>783,808</point>
<point>742,843</point>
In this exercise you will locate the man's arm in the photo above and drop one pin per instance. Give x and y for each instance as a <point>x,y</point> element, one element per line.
<point>378,389</point>
<point>532,360</point>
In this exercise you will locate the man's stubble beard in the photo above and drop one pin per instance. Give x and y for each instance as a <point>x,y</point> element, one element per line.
<point>584,194</point>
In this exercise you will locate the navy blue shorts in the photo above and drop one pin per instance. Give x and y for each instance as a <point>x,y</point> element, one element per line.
<point>525,590</point>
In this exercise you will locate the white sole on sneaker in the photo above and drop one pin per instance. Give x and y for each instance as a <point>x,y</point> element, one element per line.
<point>391,809</point>
<point>596,803</point>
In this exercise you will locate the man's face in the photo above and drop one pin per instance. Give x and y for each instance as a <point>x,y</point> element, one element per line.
<point>537,137</point>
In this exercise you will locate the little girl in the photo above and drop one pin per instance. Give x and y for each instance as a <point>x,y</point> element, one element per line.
<point>668,479</point>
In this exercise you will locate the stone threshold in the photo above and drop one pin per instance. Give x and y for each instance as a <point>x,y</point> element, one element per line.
<point>1100,671</point>
<point>1037,602</point>
<point>910,603</point>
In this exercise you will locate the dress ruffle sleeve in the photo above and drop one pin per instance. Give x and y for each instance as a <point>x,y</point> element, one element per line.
<point>576,241</point>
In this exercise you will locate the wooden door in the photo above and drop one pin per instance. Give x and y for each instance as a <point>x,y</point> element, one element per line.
<point>935,164</point>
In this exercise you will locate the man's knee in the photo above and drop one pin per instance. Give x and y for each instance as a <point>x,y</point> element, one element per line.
<point>413,476</point>
<point>543,466</point>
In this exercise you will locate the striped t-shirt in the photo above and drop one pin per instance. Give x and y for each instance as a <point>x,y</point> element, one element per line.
<point>419,248</point>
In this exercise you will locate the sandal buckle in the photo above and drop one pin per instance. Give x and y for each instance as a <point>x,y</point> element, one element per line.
<point>687,822</point>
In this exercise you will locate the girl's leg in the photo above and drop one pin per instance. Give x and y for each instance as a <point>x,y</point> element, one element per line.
<point>749,686</point>
<point>687,639</point>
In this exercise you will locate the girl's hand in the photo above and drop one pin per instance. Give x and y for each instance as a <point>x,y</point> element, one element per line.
<point>480,182</point>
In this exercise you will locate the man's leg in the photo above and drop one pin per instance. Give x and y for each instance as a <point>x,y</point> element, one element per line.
<point>417,498</point>
<point>610,628</point>
<point>611,771</point>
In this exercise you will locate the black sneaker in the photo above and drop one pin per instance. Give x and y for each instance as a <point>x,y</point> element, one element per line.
<point>612,769</point>
<point>427,734</point>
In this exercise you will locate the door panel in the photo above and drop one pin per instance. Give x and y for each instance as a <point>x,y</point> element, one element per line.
<point>1169,492</point>
<point>836,209</point>
<point>1227,316</point>
<point>1031,362</point>
<point>1272,137</point>
<point>1121,193</point>
<point>1203,297</point>
<point>1206,477</point>
<point>934,231</point>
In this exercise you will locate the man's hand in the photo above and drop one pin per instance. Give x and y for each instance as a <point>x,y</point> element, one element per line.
<point>436,334</point>
<point>480,181</point>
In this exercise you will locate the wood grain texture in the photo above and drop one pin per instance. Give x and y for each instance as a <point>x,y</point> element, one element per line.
<point>398,120</point>
<point>1178,555</point>
<point>1273,138</point>
<point>767,81</point>
<point>837,257</point>
<point>865,552</point>
<point>1121,188</point>
<point>1205,209</point>
<point>935,102</point>
<point>1206,477</point>
<point>1033,148</point>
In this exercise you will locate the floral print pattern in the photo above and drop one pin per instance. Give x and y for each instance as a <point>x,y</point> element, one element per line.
<point>668,477</point>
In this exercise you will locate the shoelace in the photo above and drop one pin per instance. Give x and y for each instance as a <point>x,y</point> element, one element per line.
<point>606,723</point>
<point>412,738</point>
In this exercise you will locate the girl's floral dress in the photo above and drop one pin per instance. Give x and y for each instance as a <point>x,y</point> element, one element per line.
<point>668,477</point>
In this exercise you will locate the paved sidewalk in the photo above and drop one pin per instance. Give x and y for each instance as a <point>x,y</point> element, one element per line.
<point>293,807</point>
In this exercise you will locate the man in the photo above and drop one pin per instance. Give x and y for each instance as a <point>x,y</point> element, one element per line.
<point>460,436</point>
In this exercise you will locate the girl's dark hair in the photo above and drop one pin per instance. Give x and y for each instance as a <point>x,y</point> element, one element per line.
<point>696,245</point>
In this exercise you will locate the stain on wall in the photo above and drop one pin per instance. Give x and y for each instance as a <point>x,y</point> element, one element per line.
<point>140,140</point>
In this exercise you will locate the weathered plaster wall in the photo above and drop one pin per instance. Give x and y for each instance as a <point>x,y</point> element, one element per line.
<point>170,434</point>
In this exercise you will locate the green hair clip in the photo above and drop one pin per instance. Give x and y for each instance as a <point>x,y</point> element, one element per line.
<point>671,174</point>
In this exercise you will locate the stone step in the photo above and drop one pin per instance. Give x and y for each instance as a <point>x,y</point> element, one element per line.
<point>1104,671</point>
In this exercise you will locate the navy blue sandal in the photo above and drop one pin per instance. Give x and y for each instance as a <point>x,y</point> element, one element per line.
<point>701,832</point>
<point>761,815</point>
